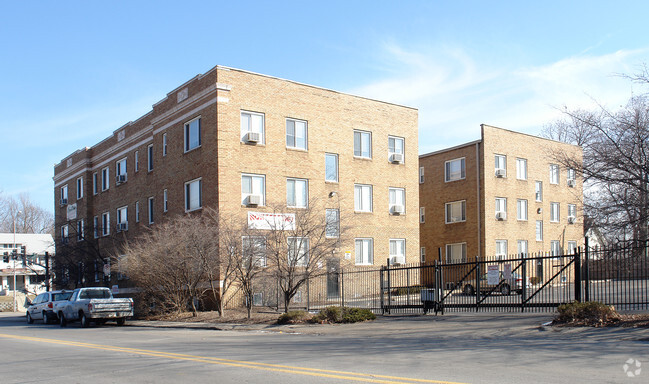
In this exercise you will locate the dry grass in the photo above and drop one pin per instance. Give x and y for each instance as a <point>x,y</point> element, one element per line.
<point>235,316</point>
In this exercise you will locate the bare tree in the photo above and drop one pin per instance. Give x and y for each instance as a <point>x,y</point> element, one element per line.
<point>29,217</point>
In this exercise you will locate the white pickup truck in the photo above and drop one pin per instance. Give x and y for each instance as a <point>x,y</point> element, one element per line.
<point>93,304</point>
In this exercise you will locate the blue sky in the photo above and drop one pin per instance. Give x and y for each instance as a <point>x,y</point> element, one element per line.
<point>72,72</point>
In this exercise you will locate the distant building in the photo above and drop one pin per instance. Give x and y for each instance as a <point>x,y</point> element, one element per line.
<point>502,195</point>
<point>29,268</point>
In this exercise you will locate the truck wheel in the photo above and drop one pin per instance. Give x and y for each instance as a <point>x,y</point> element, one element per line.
<point>46,318</point>
<point>29,319</point>
<point>85,323</point>
<point>62,321</point>
<point>121,321</point>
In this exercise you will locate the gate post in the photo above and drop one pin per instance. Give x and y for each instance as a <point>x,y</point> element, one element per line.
<point>342,286</point>
<point>477,283</point>
<point>382,290</point>
<point>387,268</point>
<point>586,271</point>
<point>577,262</point>
<point>524,282</point>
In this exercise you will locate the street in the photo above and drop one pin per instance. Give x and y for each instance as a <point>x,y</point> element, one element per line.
<point>465,348</point>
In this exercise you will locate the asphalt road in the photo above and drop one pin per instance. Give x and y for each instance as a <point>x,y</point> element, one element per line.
<point>465,348</point>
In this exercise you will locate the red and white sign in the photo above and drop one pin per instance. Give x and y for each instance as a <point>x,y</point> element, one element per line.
<point>271,221</point>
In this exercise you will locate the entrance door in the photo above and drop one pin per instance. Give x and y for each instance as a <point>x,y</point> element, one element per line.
<point>333,283</point>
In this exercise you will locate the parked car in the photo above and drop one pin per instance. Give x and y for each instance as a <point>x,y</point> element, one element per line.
<point>94,304</point>
<point>504,286</point>
<point>42,307</point>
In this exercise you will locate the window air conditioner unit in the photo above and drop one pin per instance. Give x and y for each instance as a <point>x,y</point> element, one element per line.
<point>571,183</point>
<point>120,178</point>
<point>397,260</point>
<point>501,215</point>
<point>396,158</point>
<point>253,200</point>
<point>501,173</point>
<point>398,209</point>
<point>64,201</point>
<point>253,137</point>
<point>122,226</point>
<point>571,219</point>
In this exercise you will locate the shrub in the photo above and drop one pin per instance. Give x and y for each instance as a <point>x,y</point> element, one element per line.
<point>329,315</point>
<point>355,315</point>
<point>401,291</point>
<point>293,317</point>
<point>588,313</point>
<point>343,315</point>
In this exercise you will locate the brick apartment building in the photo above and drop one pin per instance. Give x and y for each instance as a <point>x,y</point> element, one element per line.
<point>244,142</point>
<point>504,194</point>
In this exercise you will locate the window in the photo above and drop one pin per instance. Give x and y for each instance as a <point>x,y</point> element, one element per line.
<point>554,174</point>
<point>193,195</point>
<point>164,144</point>
<point>398,250</point>
<point>554,212</point>
<point>95,226</point>
<point>555,248</point>
<point>137,161</point>
<point>422,214</point>
<point>571,176</point>
<point>122,219</point>
<point>193,134</point>
<point>297,192</point>
<point>120,171</point>
<point>456,253</point>
<point>80,232</point>
<point>422,254</point>
<point>255,186</point>
<point>501,208</point>
<point>395,147</point>
<point>298,251</point>
<point>397,201</point>
<point>364,251</point>
<point>521,209</point>
<point>421,175</point>
<point>455,212</point>
<point>252,123</point>
<point>332,219</point>
<point>105,224</point>
<point>95,184</point>
<point>79,188</point>
<point>253,251</point>
<point>521,169</point>
<point>150,210</point>
<point>538,190</point>
<point>137,211</point>
<point>501,165</point>
<point>149,157</point>
<point>296,134</point>
<point>165,201</point>
<point>331,167</point>
<point>572,212</point>
<point>64,194</point>
<point>501,248</point>
<point>572,247</point>
<point>539,230</point>
<point>455,170</point>
<point>363,144</point>
<point>64,233</point>
<point>522,248</point>
<point>362,198</point>
<point>105,183</point>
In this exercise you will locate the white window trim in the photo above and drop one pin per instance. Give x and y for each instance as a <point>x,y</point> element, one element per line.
<point>164,144</point>
<point>403,146</point>
<point>536,196</point>
<point>200,195</point>
<point>122,219</point>
<point>520,160</point>
<point>165,201</point>
<point>518,210</point>
<point>421,175</point>
<point>463,248</point>
<point>263,193</point>
<point>538,234</point>
<point>105,179</point>
<point>447,177</point>
<point>306,134</point>
<point>261,257</point>
<point>370,255</point>
<point>501,254</point>
<point>553,211</point>
<point>371,198</point>
<point>149,158</point>
<point>263,126</point>
<point>504,200</point>
<point>403,201</point>
<point>337,223</point>
<point>95,223</point>
<point>422,254</point>
<point>137,161</point>
<point>299,240</point>
<point>558,178</point>
<point>95,183</point>
<point>361,144</point>
<point>79,188</point>
<point>150,212</point>
<point>186,135</point>
<point>496,169</point>
<point>422,215</point>
<point>105,224</point>
<point>137,211</point>
<point>337,168</point>
<point>306,191</point>
<point>446,216</point>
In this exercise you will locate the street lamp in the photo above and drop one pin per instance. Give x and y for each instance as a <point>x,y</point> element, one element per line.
<point>15,257</point>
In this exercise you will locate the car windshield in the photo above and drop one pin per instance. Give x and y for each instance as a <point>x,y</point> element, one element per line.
<point>95,294</point>
<point>61,296</point>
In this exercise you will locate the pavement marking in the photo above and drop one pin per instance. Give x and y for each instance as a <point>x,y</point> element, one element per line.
<point>353,376</point>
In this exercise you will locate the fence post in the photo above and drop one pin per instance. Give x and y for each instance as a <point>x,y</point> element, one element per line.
<point>524,282</point>
<point>382,290</point>
<point>308,293</point>
<point>586,271</point>
<point>342,286</point>
<point>477,284</point>
<point>577,261</point>
<point>387,268</point>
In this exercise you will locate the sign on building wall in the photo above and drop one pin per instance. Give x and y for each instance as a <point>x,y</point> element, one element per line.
<point>72,211</point>
<point>271,221</point>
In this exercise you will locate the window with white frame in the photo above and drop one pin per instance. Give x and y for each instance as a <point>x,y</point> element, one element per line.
<point>539,230</point>
<point>79,188</point>
<point>501,165</point>
<point>554,212</point>
<point>253,251</point>
<point>64,194</point>
<point>120,171</point>
<point>422,214</point>
<point>80,230</point>
<point>538,191</point>
<point>455,212</point>
<point>397,200</point>
<point>554,174</point>
<point>192,134</point>
<point>298,251</point>
<point>572,247</point>
<point>149,157</point>
<point>456,253</point>
<point>95,183</point>
<point>395,147</point>
<point>137,161</point>
<point>193,195</point>
<point>150,204</point>
<point>522,248</point>
<point>122,219</point>
<point>137,211</point>
<point>331,167</point>
<point>422,255</point>
<point>571,176</point>
<point>165,201</point>
<point>105,182</point>
<point>421,175</point>
<point>296,134</point>
<point>555,248</point>
<point>501,248</point>
<point>501,208</point>
<point>572,212</point>
<point>95,226</point>
<point>521,169</point>
<point>362,198</point>
<point>363,144</point>
<point>252,127</point>
<point>521,209</point>
<point>65,232</point>
<point>253,187</point>
<point>398,250</point>
<point>332,220</point>
<point>105,224</point>
<point>297,193</point>
<point>455,169</point>
<point>364,251</point>
<point>164,144</point>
